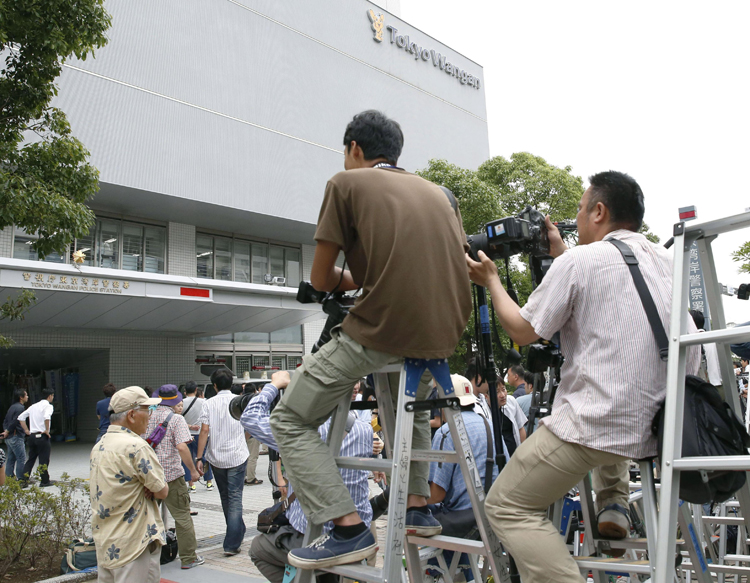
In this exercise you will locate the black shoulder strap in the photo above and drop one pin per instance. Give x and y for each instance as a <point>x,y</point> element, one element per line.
<point>490,462</point>
<point>451,198</point>
<point>190,406</point>
<point>646,299</point>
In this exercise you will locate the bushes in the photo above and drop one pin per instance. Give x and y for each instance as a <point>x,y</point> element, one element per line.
<point>37,524</point>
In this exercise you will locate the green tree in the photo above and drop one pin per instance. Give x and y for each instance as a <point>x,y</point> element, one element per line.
<point>742,256</point>
<point>45,177</point>
<point>500,188</point>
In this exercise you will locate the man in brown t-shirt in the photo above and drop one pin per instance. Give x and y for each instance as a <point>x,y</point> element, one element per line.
<point>404,244</point>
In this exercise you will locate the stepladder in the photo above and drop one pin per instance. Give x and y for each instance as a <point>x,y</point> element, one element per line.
<point>672,462</point>
<point>404,554</point>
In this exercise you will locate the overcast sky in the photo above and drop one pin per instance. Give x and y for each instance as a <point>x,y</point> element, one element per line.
<point>655,89</point>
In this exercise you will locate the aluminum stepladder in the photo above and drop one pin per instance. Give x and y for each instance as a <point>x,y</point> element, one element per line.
<point>679,340</point>
<point>398,427</point>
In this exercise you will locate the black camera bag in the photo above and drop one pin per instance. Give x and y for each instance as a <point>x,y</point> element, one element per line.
<point>709,427</point>
<point>169,550</point>
<point>274,517</point>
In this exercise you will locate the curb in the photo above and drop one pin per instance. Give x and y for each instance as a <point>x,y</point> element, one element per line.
<point>72,577</point>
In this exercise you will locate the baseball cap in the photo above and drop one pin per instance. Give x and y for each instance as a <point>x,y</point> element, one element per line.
<point>129,398</point>
<point>463,389</point>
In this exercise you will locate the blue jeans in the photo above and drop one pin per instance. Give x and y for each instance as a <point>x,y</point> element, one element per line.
<point>231,482</point>
<point>193,447</point>
<point>16,456</point>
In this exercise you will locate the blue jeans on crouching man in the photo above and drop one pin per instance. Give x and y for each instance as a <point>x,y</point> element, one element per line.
<point>230,482</point>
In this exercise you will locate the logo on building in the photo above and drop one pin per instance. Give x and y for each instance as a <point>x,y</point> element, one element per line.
<point>424,54</point>
<point>377,23</point>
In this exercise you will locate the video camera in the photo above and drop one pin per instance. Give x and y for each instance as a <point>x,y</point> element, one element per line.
<point>335,304</point>
<point>525,233</point>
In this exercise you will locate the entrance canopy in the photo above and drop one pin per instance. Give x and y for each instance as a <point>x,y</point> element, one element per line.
<point>92,298</point>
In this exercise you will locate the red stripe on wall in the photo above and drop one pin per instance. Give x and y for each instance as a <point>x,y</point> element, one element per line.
<point>195,292</point>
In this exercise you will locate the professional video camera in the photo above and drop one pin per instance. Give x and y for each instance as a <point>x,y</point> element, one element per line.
<point>335,304</point>
<point>543,355</point>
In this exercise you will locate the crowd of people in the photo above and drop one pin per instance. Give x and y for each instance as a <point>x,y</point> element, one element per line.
<point>153,447</point>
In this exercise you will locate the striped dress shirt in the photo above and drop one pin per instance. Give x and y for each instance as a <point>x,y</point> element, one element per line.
<point>357,443</point>
<point>612,381</point>
<point>226,445</point>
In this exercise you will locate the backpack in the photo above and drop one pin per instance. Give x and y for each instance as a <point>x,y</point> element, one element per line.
<point>710,428</point>
<point>169,550</point>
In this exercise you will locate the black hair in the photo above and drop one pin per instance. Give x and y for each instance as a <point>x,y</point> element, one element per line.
<point>472,371</point>
<point>222,378</point>
<point>199,391</point>
<point>190,387</point>
<point>109,389</point>
<point>698,318</point>
<point>18,395</point>
<point>518,370</point>
<point>621,195</point>
<point>528,378</point>
<point>236,389</point>
<point>376,134</point>
<point>47,392</point>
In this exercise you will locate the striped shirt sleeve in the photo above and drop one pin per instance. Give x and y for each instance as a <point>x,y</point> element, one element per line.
<point>551,304</point>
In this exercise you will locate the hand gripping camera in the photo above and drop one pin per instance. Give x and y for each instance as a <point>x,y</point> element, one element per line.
<point>335,304</point>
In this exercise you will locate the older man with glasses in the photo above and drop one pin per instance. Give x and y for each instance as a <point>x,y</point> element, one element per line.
<point>126,478</point>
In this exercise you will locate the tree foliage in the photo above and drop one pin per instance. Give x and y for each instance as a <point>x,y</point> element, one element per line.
<point>742,256</point>
<point>45,177</point>
<point>501,188</point>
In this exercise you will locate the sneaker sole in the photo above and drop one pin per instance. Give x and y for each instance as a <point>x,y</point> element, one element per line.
<point>424,530</point>
<point>353,557</point>
<point>612,530</point>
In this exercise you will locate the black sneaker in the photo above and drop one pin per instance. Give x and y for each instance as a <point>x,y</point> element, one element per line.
<point>46,484</point>
<point>330,550</point>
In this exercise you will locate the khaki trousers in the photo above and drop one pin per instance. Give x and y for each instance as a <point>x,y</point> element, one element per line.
<point>178,504</point>
<point>253,446</point>
<point>144,569</point>
<point>317,386</point>
<point>542,470</point>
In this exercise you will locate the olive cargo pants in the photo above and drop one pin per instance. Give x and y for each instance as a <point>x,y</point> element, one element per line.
<point>316,388</point>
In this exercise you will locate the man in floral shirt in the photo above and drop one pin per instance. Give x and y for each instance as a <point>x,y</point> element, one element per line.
<point>126,477</point>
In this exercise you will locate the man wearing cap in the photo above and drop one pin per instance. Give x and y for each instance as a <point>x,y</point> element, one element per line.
<point>172,449</point>
<point>447,485</point>
<point>125,478</point>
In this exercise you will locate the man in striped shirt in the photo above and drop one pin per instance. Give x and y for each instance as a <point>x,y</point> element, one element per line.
<point>611,385</point>
<point>227,453</point>
<point>268,551</point>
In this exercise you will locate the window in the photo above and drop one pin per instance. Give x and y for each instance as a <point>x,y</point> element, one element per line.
<point>22,248</point>
<point>245,261</point>
<point>291,335</point>
<point>110,243</point>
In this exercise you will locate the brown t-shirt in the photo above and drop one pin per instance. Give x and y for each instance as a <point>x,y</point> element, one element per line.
<point>404,246</point>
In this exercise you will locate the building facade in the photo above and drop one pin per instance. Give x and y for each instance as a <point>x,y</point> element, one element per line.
<point>215,127</point>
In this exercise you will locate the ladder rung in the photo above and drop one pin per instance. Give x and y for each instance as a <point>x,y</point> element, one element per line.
<point>432,455</point>
<point>742,558</point>
<point>709,463</point>
<point>357,572</point>
<point>724,519</point>
<point>726,336</point>
<point>630,543</point>
<point>365,463</point>
<point>714,568</point>
<point>719,226</point>
<point>613,565</point>
<point>472,547</point>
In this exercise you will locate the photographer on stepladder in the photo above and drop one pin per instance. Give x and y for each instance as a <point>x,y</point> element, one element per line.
<point>269,550</point>
<point>612,380</point>
<point>404,244</point>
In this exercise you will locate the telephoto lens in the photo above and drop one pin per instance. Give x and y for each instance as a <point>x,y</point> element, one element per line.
<point>238,404</point>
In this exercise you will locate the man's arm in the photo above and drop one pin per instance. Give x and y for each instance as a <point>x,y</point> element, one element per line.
<point>161,494</point>
<point>202,439</point>
<point>437,494</point>
<point>187,459</point>
<point>23,426</point>
<point>324,274</point>
<point>256,416</point>
<point>46,426</point>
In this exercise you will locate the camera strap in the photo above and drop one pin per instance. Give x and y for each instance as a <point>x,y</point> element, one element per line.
<point>646,299</point>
